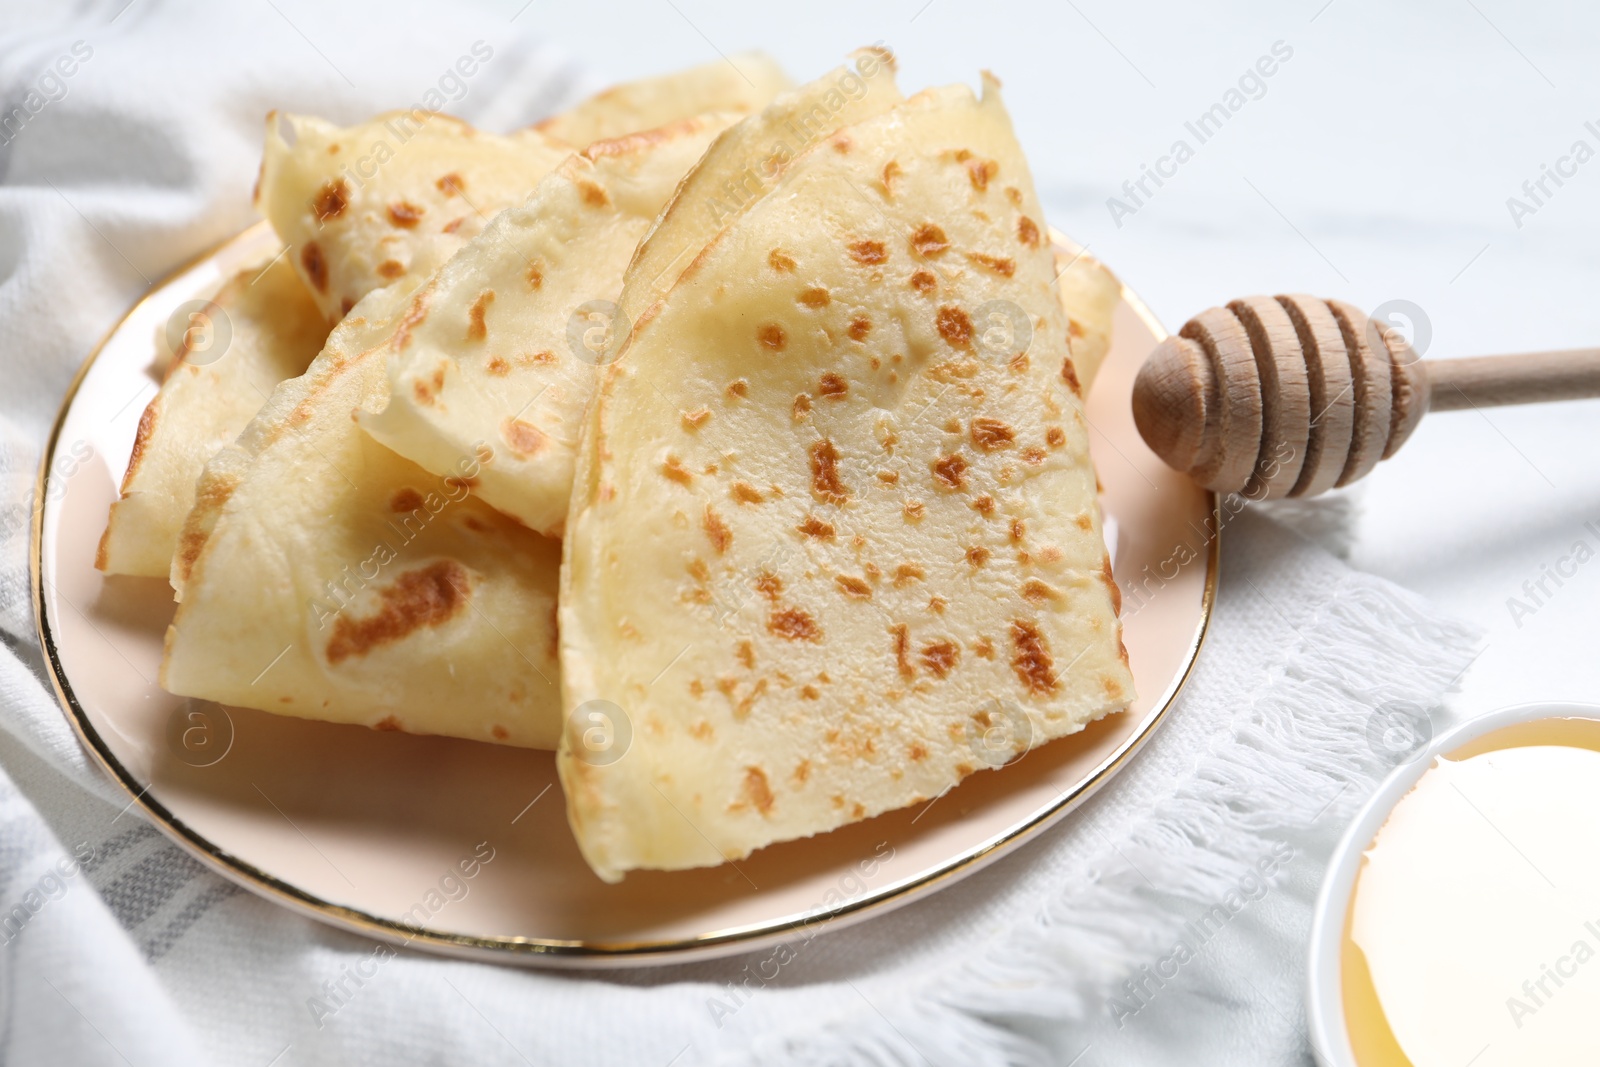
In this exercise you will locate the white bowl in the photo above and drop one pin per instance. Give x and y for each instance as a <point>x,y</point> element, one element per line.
<point>1330,1040</point>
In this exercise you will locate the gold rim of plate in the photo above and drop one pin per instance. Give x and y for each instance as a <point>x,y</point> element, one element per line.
<point>532,948</point>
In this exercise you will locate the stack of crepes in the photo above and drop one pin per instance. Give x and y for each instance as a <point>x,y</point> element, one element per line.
<point>724,437</point>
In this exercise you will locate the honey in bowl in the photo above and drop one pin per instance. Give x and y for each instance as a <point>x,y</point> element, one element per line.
<point>1473,933</point>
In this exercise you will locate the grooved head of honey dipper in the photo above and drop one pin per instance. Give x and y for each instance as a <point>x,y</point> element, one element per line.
<point>1171,399</point>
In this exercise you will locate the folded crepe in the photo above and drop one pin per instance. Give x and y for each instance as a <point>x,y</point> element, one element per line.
<point>366,206</point>
<point>369,205</point>
<point>323,576</point>
<point>831,550</point>
<point>522,317</point>
<point>262,327</point>
<point>742,83</point>
<point>501,357</point>
<point>746,163</point>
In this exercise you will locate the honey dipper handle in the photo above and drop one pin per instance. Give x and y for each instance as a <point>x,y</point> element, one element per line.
<point>1491,381</point>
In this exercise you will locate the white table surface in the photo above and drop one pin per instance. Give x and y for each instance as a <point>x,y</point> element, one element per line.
<point>1376,166</point>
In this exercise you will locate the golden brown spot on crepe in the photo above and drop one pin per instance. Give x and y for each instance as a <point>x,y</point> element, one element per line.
<point>1069,374</point>
<point>738,387</point>
<point>388,723</point>
<point>404,500</point>
<point>825,484</point>
<point>535,276</point>
<point>499,367</point>
<point>832,387</point>
<point>802,407</point>
<point>331,200</point>
<point>210,495</point>
<point>1084,522</point>
<point>477,330</point>
<point>1035,591</point>
<point>999,264</point>
<point>451,184</point>
<point>990,434</point>
<point>981,172</point>
<point>693,419</point>
<point>795,625</point>
<point>1033,455</point>
<point>772,336</point>
<point>929,241</point>
<point>815,297</point>
<point>850,585</point>
<point>858,811</point>
<point>717,530</point>
<point>745,493</point>
<point>1074,329</point>
<point>936,604</point>
<point>747,654</point>
<point>1028,231</point>
<point>701,730</point>
<point>592,194</point>
<point>1111,584</point>
<point>940,656</point>
<point>405,214</point>
<point>908,572</point>
<point>425,390</point>
<point>1050,554</point>
<point>951,470</point>
<point>841,144</point>
<point>500,732</point>
<point>1032,661</point>
<point>914,510</point>
<point>868,253</point>
<point>809,692</point>
<point>802,770</point>
<point>902,651</point>
<point>815,527</point>
<point>1014,195</point>
<point>860,327</point>
<point>983,648</point>
<point>924,282</point>
<point>756,791</point>
<point>888,477</point>
<point>746,702</point>
<point>954,326</point>
<point>977,555</point>
<point>984,505</point>
<point>316,267</point>
<point>698,568</point>
<point>769,585</point>
<point>147,428</point>
<point>453,225</point>
<point>391,269</point>
<point>428,597</point>
<point>780,260</point>
<point>1018,529</point>
<point>1055,437</point>
<point>917,753</point>
<point>891,171</point>
<point>524,438</point>
<point>672,467</point>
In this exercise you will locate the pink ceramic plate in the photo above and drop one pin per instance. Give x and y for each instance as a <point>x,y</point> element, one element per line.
<point>463,847</point>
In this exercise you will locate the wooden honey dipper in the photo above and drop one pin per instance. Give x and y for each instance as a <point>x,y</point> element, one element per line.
<point>1294,395</point>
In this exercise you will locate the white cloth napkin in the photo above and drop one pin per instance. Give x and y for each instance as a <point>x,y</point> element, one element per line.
<point>121,949</point>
